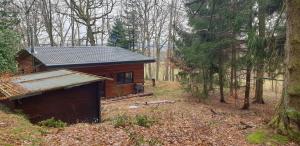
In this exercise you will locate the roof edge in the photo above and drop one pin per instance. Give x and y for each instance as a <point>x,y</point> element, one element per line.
<point>106,63</point>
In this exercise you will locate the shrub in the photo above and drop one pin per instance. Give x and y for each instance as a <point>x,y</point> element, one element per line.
<point>144,120</point>
<point>52,123</point>
<point>120,121</point>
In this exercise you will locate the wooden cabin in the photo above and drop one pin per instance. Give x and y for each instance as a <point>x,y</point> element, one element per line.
<point>66,95</point>
<point>125,67</point>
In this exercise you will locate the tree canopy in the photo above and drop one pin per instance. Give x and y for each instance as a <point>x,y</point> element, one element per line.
<point>9,38</point>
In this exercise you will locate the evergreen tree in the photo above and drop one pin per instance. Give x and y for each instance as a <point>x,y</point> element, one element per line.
<point>215,29</point>
<point>9,39</point>
<point>131,21</point>
<point>118,36</point>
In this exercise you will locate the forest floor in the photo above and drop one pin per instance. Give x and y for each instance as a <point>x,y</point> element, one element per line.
<point>170,117</point>
<point>179,119</point>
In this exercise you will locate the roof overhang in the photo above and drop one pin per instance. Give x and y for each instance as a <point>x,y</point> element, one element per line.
<point>38,83</point>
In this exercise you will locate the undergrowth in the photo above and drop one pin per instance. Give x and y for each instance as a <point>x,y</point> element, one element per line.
<point>53,123</point>
<point>139,140</point>
<point>144,120</point>
<point>140,120</point>
<point>121,121</point>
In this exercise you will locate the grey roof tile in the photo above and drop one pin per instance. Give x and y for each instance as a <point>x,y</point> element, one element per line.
<point>83,55</point>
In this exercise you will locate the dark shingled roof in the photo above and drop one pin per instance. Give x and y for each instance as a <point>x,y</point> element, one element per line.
<point>87,55</point>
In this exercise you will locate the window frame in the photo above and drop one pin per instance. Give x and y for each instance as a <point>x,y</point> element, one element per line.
<point>124,79</point>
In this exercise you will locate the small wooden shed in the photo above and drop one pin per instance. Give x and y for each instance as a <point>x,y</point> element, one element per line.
<point>66,95</point>
<point>124,67</point>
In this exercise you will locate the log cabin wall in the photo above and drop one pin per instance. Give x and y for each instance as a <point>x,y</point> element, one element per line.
<point>25,65</point>
<point>112,88</point>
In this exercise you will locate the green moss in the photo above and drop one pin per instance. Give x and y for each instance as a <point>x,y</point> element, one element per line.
<point>257,137</point>
<point>280,139</point>
<point>293,114</point>
<point>294,89</point>
<point>295,136</point>
<point>265,137</point>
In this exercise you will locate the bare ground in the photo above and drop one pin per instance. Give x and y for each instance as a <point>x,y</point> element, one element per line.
<point>185,122</point>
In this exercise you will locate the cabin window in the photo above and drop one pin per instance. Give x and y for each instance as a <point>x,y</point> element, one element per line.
<point>124,77</point>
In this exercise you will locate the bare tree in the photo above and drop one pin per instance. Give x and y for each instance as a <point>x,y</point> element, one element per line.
<point>160,20</point>
<point>46,9</point>
<point>85,13</point>
<point>63,26</point>
<point>168,55</point>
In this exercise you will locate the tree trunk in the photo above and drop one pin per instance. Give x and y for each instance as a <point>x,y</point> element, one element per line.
<point>78,35</point>
<point>149,54</point>
<point>157,57</point>
<point>211,80</point>
<point>221,77</point>
<point>247,90</point>
<point>167,61</point>
<point>73,25</point>
<point>231,78</point>
<point>287,119</point>
<point>260,67</point>
<point>90,35</point>
<point>205,89</point>
<point>259,85</point>
<point>36,38</point>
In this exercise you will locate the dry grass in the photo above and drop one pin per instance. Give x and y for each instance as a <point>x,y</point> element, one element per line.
<point>15,129</point>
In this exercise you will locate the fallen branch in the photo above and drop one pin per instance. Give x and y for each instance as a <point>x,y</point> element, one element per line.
<point>214,112</point>
<point>159,102</point>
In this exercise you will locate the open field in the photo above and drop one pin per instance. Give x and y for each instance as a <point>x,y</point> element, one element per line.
<point>178,120</point>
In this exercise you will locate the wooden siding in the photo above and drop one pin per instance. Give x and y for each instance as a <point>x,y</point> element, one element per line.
<point>25,64</point>
<point>112,88</point>
<point>78,104</point>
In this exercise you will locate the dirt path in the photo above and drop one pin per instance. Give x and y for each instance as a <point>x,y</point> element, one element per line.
<point>185,122</point>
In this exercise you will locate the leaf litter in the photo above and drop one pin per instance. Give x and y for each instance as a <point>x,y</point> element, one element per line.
<point>184,122</point>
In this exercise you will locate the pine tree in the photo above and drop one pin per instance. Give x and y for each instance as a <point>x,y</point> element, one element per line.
<point>118,36</point>
<point>9,39</point>
<point>131,22</point>
<point>215,29</point>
